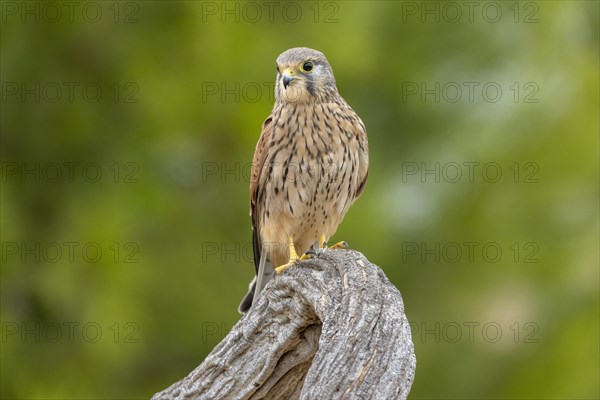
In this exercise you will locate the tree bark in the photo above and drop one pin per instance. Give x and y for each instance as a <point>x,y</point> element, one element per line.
<point>332,327</point>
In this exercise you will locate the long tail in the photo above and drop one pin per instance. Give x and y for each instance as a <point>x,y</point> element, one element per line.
<point>263,276</point>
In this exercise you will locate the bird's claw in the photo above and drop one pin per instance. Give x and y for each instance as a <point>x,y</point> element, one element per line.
<point>340,245</point>
<point>310,253</point>
<point>285,266</point>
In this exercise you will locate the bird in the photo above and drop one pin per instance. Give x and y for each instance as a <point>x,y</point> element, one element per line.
<point>310,164</point>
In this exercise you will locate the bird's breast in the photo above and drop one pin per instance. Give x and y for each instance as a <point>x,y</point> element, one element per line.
<point>311,173</point>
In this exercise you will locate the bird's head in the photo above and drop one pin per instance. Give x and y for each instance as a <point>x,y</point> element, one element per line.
<point>304,75</point>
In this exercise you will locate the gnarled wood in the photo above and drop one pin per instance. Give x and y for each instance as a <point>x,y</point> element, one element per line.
<point>332,328</point>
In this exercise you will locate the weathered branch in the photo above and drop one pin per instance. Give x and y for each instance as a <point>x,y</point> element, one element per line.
<point>332,328</point>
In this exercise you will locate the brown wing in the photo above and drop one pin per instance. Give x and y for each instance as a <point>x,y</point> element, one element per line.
<point>258,162</point>
<point>363,162</point>
<point>359,130</point>
<point>361,186</point>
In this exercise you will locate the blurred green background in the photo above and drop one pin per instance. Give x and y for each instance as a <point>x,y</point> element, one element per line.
<point>127,133</point>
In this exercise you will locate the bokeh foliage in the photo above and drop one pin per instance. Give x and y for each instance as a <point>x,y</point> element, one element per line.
<point>188,139</point>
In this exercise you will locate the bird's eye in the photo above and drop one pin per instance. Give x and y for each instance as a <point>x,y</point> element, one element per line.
<point>307,66</point>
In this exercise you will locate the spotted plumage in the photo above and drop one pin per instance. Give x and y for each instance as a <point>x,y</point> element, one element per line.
<point>310,165</point>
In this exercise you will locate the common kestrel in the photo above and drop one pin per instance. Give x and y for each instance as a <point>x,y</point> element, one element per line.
<point>310,164</point>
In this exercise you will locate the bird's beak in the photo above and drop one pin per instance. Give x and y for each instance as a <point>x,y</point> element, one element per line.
<point>288,76</point>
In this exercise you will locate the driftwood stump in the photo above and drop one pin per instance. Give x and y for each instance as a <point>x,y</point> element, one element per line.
<point>332,328</point>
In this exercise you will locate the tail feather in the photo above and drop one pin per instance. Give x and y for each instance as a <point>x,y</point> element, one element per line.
<point>263,275</point>
<point>247,301</point>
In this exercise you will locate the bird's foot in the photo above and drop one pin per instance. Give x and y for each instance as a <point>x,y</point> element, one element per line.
<point>322,241</point>
<point>311,253</point>
<point>306,256</point>
<point>294,259</point>
<point>285,266</point>
<point>340,245</point>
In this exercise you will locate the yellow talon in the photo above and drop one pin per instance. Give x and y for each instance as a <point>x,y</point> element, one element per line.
<point>283,267</point>
<point>293,258</point>
<point>322,245</point>
<point>322,241</point>
<point>340,245</point>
